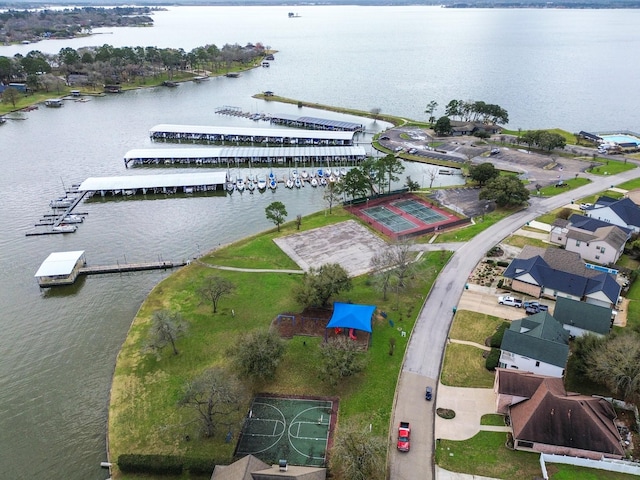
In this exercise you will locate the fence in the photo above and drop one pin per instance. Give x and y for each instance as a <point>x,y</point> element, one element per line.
<point>619,466</point>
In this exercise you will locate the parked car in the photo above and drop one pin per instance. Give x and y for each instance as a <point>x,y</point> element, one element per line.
<point>404,434</point>
<point>585,206</point>
<point>532,308</point>
<point>428,394</point>
<point>495,151</point>
<point>510,301</point>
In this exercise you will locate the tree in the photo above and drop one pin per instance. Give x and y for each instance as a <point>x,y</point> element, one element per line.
<point>505,190</point>
<point>411,184</point>
<point>276,212</point>
<point>166,327</point>
<point>615,363</point>
<point>216,396</point>
<point>319,285</point>
<point>432,174</point>
<point>382,264</point>
<point>442,126</point>
<point>10,95</point>
<point>341,358</point>
<point>214,288</point>
<point>390,166</point>
<point>483,173</point>
<point>331,194</point>
<point>258,354</point>
<point>355,183</point>
<point>550,140</point>
<point>431,107</point>
<point>359,454</point>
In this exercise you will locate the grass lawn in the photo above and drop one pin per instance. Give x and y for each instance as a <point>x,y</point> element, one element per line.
<point>631,184</point>
<point>572,183</point>
<point>143,414</point>
<point>520,241</point>
<point>492,419</point>
<point>473,326</point>
<point>466,233</point>
<point>464,367</point>
<point>571,472</point>
<point>611,167</point>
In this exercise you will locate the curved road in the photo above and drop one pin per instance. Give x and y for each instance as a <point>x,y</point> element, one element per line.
<point>425,351</point>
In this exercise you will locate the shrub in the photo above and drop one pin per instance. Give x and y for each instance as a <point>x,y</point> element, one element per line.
<point>203,466</point>
<point>496,338</point>
<point>488,261</point>
<point>502,263</point>
<point>492,359</point>
<point>500,283</point>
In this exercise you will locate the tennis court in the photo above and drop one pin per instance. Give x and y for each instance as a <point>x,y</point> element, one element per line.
<point>419,210</point>
<point>293,429</point>
<point>405,215</point>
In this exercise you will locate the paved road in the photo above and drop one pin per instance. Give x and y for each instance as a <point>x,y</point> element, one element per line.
<point>424,354</point>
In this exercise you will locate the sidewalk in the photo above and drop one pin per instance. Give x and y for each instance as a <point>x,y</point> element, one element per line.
<point>442,474</point>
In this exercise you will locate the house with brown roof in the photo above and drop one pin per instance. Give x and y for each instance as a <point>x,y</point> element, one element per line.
<point>554,272</point>
<point>252,468</point>
<point>594,240</point>
<point>545,418</point>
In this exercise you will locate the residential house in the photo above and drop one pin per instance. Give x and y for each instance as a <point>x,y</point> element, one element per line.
<point>545,418</point>
<point>535,344</point>
<point>580,318</point>
<point>251,468</point>
<point>554,272</point>
<point>459,128</point>
<point>594,240</point>
<point>623,212</point>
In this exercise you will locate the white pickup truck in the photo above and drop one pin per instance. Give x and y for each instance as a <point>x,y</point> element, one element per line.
<point>510,301</point>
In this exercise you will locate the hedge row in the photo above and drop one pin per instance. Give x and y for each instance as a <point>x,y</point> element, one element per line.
<point>167,464</point>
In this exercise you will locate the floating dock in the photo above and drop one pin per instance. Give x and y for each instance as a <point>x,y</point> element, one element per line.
<point>295,121</point>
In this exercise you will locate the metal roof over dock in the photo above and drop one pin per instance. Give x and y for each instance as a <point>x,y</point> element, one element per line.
<point>313,122</point>
<point>134,182</point>
<point>222,155</point>
<point>250,134</point>
<point>59,263</point>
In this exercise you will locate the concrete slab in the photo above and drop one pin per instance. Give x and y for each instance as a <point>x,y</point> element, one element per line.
<point>347,243</point>
<point>442,474</point>
<point>469,404</point>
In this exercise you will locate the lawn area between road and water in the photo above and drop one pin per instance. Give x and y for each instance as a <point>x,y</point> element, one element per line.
<point>570,184</point>
<point>144,416</point>
<point>481,223</point>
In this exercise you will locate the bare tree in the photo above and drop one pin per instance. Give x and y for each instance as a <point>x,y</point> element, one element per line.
<point>166,327</point>
<point>382,263</point>
<point>215,395</point>
<point>258,354</point>
<point>214,288</point>
<point>341,358</point>
<point>331,195</point>
<point>359,454</point>
<point>432,174</point>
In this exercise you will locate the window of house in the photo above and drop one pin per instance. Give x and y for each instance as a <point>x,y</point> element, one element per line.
<point>601,249</point>
<point>537,363</point>
<point>597,257</point>
<point>577,243</point>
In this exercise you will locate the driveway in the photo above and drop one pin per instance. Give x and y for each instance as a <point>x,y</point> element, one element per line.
<point>423,357</point>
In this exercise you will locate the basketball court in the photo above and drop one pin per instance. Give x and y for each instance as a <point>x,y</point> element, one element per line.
<point>294,429</point>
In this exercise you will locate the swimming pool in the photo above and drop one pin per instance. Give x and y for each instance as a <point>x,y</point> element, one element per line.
<point>620,138</point>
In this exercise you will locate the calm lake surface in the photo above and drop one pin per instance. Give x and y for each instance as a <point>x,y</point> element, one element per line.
<point>549,68</point>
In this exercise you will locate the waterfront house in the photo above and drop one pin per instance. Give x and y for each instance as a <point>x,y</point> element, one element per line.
<point>537,344</point>
<point>545,418</point>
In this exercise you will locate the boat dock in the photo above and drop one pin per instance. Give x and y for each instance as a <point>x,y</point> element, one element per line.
<point>129,267</point>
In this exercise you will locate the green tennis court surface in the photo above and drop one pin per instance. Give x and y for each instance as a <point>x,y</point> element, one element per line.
<point>389,219</point>
<point>296,430</point>
<point>419,211</point>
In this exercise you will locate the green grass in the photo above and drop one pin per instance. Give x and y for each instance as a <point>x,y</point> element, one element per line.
<point>473,326</point>
<point>520,241</point>
<point>143,414</point>
<point>493,419</point>
<point>631,184</point>
<point>573,183</point>
<point>467,233</point>
<point>572,472</point>
<point>611,167</point>
<point>464,367</point>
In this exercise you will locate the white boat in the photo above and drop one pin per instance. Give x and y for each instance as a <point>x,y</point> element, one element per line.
<point>332,178</point>
<point>294,174</point>
<point>323,181</point>
<point>288,182</point>
<point>297,182</point>
<point>314,182</point>
<point>61,203</point>
<point>251,185</point>
<point>343,171</point>
<point>327,172</point>
<point>240,184</point>
<point>273,184</point>
<point>262,183</point>
<point>304,174</point>
<point>65,228</point>
<point>73,219</point>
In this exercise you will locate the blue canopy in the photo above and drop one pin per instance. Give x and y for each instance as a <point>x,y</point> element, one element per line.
<point>349,315</point>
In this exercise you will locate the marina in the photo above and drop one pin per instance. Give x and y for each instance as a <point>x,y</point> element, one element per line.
<point>261,136</point>
<point>221,156</point>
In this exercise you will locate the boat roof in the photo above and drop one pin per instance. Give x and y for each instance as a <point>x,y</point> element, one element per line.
<point>59,263</point>
<point>317,121</point>
<point>244,152</point>
<point>152,181</point>
<point>253,131</point>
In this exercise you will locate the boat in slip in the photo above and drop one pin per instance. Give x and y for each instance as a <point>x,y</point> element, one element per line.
<point>240,184</point>
<point>297,182</point>
<point>273,184</point>
<point>323,181</point>
<point>64,228</point>
<point>304,175</point>
<point>262,183</point>
<point>288,182</point>
<point>314,182</point>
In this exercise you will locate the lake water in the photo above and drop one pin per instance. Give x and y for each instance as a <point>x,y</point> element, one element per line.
<point>548,68</point>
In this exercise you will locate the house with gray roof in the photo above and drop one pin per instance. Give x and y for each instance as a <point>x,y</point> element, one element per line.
<point>580,318</point>
<point>252,468</point>
<point>546,418</point>
<point>554,272</point>
<point>536,344</point>
<point>594,240</point>
<point>623,213</point>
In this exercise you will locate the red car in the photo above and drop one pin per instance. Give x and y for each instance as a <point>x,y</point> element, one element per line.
<point>404,433</point>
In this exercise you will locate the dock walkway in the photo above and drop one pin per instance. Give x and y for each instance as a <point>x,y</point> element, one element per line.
<point>129,267</point>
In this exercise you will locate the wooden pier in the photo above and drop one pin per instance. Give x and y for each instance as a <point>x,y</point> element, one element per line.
<point>129,267</point>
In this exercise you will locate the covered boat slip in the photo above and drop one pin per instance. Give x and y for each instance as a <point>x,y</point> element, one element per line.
<point>315,123</point>
<point>233,155</point>
<point>277,136</point>
<point>60,268</point>
<point>172,183</point>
